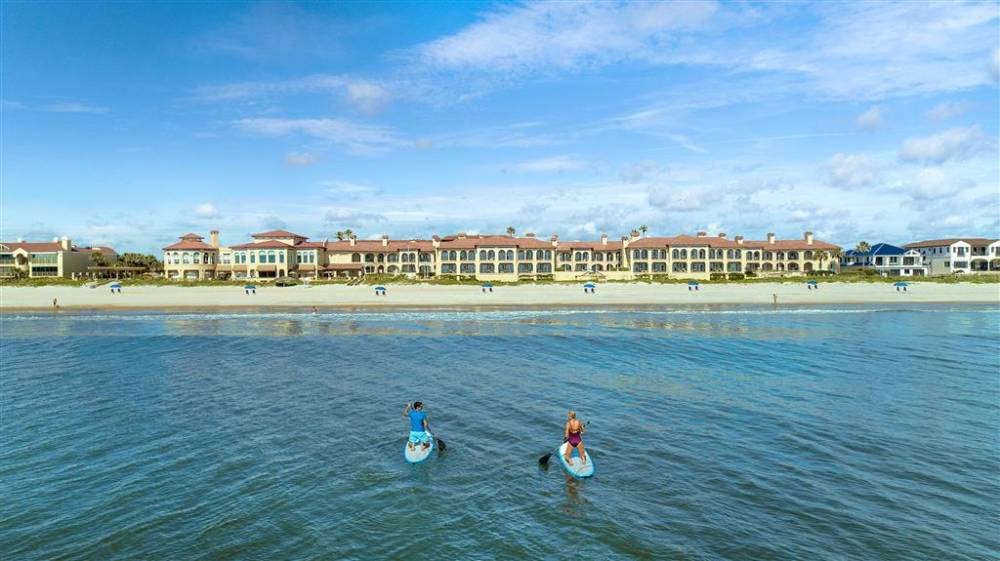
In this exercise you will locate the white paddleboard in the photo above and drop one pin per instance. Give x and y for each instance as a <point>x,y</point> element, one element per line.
<point>576,467</point>
<point>419,453</point>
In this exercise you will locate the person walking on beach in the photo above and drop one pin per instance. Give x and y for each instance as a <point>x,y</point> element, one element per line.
<point>573,434</point>
<point>418,425</point>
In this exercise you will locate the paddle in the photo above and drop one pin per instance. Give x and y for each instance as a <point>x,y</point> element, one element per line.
<point>441,445</point>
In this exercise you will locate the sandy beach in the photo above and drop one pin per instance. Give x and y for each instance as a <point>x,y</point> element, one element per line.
<point>167,297</point>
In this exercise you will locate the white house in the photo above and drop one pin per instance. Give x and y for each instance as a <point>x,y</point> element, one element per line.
<point>959,255</point>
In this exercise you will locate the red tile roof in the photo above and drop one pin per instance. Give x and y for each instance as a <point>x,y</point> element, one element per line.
<point>949,241</point>
<point>266,244</point>
<point>190,244</point>
<point>277,234</point>
<point>343,267</point>
<point>192,236</point>
<point>51,246</point>
<point>785,245</point>
<point>612,245</point>
<point>472,242</point>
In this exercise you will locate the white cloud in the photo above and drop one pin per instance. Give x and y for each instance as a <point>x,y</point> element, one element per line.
<point>355,137</point>
<point>640,171</point>
<point>995,64</point>
<point>946,110</point>
<point>301,159</point>
<point>206,210</point>
<point>272,31</point>
<point>871,119</point>
<point>351,216</point>
<point>74,107</point>
<point>959,143</point>
<point>557,35</point>
<point>680,200</point>
<point>346,188</point>
<point>933,183</point>
<point>554,164</point>
<point>367,97</point>
<point>851,170</point>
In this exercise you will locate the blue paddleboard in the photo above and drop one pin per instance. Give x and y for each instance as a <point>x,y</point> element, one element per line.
<point>576,467</point>
<point>418,454</point>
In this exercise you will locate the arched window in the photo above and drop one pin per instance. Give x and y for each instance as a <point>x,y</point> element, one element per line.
<point>793,255</point>
<point>529,254</point>
<point>369,258</point>
<point>281,257</point>
<point>807,255</point>
<point>675,254</point>
<point>635,254</point>
<point>393,258</point>
<point>645,254</point>
<point>186,257</point>
<point>355,258</point>
<point>197,258</point>
<point>270,256</point>
<point>483,255</point>
<point>684,254</point>
<point>491,255</point>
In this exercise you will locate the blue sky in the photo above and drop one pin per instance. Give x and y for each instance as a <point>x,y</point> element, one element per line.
<point>129,124</point>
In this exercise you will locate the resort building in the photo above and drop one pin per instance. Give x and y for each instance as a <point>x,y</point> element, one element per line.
<point>58,258</point>
<point>498,257</point>
<point>886,260</point>
<point>958,255</point>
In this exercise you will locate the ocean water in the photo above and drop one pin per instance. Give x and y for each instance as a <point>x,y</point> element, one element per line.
<point>743,434</point>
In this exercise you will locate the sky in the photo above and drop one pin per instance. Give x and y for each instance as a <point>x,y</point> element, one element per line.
<point>129,124</point>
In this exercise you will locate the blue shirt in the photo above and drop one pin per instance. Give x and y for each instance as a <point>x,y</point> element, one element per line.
<point>417,420</point>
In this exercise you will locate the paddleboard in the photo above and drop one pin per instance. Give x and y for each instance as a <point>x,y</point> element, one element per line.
<point>419,453</point>
<point>576,467</point>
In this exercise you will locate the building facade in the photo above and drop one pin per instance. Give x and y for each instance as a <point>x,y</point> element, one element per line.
<point>885,259</point>
<point>958,255</point>
<point>281,253</point>
<point>58,258</point>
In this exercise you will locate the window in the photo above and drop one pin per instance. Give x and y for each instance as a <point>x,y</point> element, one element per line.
<point>524,267</point>
<point>253,257</point>
<point>186,258</point>
<point>697,267</point>
<point>680,267</point>
<point>733,267</point>
<point>483,255</point>
<point>506,268</point>
<point>545,268</point>
<point>355,258</point>
<point>659,267</point>
<point>486,268</point>
<point>281,257</point>
<point>448,268</point>
<point>640,267</point>
<point>468,268</point>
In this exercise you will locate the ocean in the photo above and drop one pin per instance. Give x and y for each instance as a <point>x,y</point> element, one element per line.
<point>841,432</point>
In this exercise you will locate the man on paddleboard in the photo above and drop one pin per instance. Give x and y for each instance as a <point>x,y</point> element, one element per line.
<point>418,425</point>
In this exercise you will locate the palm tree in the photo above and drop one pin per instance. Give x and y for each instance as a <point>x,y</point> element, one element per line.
<point>863,247</point>
<point>348,233</point>
<point>340,235</point>
<point>834,254</point>
<point>511,231</point>
<point>98,258</point>
<point>644,229</point>
<point>821,255</point>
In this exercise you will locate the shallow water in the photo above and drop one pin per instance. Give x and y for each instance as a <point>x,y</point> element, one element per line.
<point>824,433</point>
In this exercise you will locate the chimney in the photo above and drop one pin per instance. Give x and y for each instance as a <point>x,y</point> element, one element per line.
<point>809,238</point>
<point>385,240</point>
<point>770,238</point>
<point>214,235</point>
<point>722,235</point>
<point>604,239</point>
<point>702,234</point>
<point>555,240</point>
<point>436,240</point>
<point>739,239</point>
<point>462,236</point>
<point>353,240</point>
<point>64,242</point>
<point>634,235</point>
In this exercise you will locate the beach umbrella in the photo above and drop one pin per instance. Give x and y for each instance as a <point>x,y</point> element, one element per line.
<point>487,285</point>
<point>589,285</point>
<point>116,285</point>
<point>692,283</point>
<point>811,282</point>
<point>249,287</point>
<point>901,283</point>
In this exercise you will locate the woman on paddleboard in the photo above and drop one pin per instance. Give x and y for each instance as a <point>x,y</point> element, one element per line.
<point>573,434</point>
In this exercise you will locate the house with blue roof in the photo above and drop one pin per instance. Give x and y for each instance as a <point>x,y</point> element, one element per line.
<point>886,259</point>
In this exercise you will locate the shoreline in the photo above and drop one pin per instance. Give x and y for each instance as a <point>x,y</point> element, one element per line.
<point>461,297</point>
